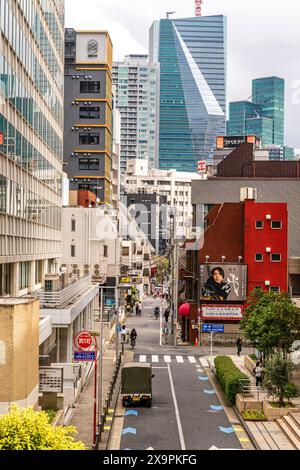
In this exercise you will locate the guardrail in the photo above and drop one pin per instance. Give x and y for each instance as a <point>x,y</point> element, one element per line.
<point>247,389</point>
<point>64,297</point>
<point>108,403</point>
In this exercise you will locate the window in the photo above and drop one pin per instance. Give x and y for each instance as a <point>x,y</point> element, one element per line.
<point>90,87</point>
<point>259,224</point>
<point>5,277</point>
<point>259,257</point>
<point>89,138</point>
<point>73,251</point>
<point>88,112</point>
<point>38,272</point>
<point>275,289</point>
<point>73,225</point>
<point>89,164</point>
<point>125,251</point>
<point>275,258</point>
<point>276,225</point>
<point>24,276</point>
<point>257,288</point>
<point>105,254</point>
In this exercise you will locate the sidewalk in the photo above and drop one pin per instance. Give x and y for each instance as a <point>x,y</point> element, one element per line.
<point>83,416</point>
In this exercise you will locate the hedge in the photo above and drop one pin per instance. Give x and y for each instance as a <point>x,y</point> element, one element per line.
<point>229,377</point>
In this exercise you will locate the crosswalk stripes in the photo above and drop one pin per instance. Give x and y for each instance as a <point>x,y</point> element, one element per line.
<point>155,359</point>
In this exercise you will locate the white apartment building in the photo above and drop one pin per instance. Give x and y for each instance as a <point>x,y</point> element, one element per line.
<point>137,84</point>
<point>173,184</point>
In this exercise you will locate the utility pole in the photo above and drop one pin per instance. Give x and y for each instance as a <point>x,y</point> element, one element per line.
<point>198,7</point>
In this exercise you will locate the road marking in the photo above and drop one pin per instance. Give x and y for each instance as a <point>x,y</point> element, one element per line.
<point>131,413</point>
<point>226,430</point>
<point>217,408</point>
<point>167,359</point>
<point>155,359</point>
<point>179,359</point>
<point>204,379</point>
<point>129,431</point>
<point>204,362</point>
<point>182,442</point>
<point>192,360</point>
<point>107,428</point>
<point>143,358</point>
<point>238,429</point>
<point>244,439</point>
<point>210,392</point>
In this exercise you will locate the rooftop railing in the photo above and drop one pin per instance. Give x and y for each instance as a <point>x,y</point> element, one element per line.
<point>65,297</point>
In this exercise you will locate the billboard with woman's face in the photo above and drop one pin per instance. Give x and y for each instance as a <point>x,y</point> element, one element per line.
<point>223,283</point>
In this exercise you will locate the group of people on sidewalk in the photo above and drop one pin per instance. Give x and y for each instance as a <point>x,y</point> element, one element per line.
<point>258,369</point>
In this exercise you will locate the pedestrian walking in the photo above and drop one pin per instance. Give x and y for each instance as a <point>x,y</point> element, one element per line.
<point>167,315</point>
<point>239,346</point>
<point>258,372</point>
<point>140,309</point>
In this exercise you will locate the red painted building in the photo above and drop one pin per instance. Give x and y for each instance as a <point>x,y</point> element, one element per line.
<point>266,245</point>
<point>248,233</point>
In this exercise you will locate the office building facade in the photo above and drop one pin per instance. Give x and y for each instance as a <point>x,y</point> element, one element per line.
<point>136,83</point>
<point>264,116</point>
<point>31,142</point>
<point>88,112</point>
<point>192,54</point>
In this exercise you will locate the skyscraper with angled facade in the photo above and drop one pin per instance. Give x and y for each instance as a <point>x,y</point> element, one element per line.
<point>192,54</point>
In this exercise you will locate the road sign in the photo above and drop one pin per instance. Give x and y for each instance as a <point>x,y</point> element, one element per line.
<point>110,302</point>
<point>213,329</point>
<point>89,356</point>
<point>84,341</point>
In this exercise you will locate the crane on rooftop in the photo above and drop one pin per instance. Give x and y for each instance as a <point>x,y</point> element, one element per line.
<point>170,13</point>
<point>198,7</point>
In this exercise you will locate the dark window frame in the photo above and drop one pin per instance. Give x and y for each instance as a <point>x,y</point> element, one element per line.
<point>92,86</point>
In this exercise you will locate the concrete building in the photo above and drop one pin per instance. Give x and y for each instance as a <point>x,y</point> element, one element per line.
<point>31,143</point>
<point>176,186</point>
<point>137,96</point>
<point>88,112</point>
<point>192,53</point>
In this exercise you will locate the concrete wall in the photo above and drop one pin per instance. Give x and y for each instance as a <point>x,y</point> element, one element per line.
<point>19,352</point>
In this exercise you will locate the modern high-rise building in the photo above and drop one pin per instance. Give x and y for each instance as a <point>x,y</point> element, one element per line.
<point>264,116</point>
<point>268,93</point>
<point>136,83</point>
<point>192,53</point>
<point>31,142</point>
<point>88,112</point>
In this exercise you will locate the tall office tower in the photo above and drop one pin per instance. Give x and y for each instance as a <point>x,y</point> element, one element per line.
<point>136,83</point>
<point>269,94</point>
<point>31,142</point>
<point>192,54</point>
<point>88,112</point>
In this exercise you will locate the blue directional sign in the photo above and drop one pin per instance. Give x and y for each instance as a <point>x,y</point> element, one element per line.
<point>86,356</point>
<point>213,329</point>
<point>110,302</point>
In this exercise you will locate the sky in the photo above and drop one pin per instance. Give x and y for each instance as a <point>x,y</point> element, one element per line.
<point>263,39</point>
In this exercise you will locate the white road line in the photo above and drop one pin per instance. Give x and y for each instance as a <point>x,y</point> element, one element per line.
<point>167,359</point>
<point>180,431</point>
<point>143,358</point>
<point>155,359</point>
<point>192,359</point>
<point>180,359</point>
<point>204,362</point>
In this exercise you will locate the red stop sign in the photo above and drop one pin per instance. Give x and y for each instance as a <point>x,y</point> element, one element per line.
<point>84,340</point>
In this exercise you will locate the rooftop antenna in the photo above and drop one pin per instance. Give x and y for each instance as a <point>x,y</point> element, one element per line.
<point>169,13</point>
<point>198,7</point>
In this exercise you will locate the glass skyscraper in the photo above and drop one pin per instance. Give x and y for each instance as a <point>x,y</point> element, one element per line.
<point>264,116</point>
<point>192,56</point>
<point>269,94</point>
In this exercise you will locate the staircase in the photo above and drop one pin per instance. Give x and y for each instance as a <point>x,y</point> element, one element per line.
<point>290,426</point>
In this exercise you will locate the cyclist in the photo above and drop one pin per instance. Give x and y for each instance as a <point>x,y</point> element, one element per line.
<point>156,312</point>
<point>133,336</point>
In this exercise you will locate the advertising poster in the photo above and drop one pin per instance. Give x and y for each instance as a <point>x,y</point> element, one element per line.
<point>223,283</point>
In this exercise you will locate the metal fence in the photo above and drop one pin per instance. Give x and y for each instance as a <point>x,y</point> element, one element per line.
<point>248,389</point>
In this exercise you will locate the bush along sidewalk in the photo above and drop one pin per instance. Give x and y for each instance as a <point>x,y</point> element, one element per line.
<point>230,377</point>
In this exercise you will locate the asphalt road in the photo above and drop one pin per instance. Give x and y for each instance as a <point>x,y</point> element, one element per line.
<point>181,417</point>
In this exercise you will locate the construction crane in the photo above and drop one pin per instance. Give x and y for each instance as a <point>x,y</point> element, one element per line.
<point>198,7</point>
<point>170,13</point>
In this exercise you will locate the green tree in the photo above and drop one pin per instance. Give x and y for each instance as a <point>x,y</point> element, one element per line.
<point>277,375</point>
<point>25,429</point>
<point>271,322</point>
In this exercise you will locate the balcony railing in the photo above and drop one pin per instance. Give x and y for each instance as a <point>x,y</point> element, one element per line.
<point>65,297</point>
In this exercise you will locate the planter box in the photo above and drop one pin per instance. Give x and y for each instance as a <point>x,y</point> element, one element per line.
<point>249,402</point>
<point>275,413</point>
<point>249,364</point>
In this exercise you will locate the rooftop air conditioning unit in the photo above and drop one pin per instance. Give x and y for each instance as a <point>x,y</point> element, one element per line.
<point>86,266</point>
<point>96,266</point>
<point>86,272</point>
<point>75,266</point>
<point>97,272</point>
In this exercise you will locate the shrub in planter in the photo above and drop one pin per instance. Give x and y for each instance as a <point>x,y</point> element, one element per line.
<point>254,415</point>
<point>230,377</point>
